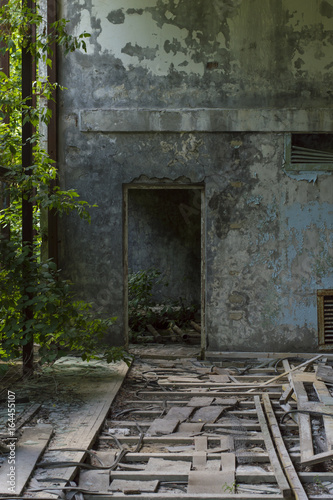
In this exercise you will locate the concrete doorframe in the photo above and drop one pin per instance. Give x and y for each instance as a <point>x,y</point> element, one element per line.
<point>201,187</point>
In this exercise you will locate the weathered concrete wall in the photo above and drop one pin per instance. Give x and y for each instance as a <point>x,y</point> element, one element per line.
<point>164,233</point>
<point>189,91</point>
<point>194,53</point>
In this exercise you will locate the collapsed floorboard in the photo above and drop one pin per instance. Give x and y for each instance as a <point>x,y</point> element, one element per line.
<point>174,440</point>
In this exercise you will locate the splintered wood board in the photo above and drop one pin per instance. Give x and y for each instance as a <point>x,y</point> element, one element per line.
<point>129,487</point>
<point>162,426</point>
<point>304,422</point>
<point>325,373</point>
<point>324,405</point>
<point>27,451</point>
<point>179,412</point>
<point>189,428</point>
<point>279,473</point>
<point>164,465</point>
<point>94,480</point>
<point>208,414</point>
<point>199,402</point>
<point>288,466</point>
<point>219,379</point>
<point>210,482</point>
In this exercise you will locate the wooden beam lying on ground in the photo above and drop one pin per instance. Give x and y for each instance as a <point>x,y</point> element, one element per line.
<point>304,422</point>
<point>280,476</point>
<point>325,405</point>
<point>302,365</point>
<point>325,373</point>
<point>287,464</point>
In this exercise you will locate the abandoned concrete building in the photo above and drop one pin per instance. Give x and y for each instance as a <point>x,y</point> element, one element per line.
<point>203,132</point>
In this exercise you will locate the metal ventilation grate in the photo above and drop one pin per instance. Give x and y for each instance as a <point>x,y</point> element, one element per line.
<point>308,152</point>
<point>307,155</point>
<point>325,317</point>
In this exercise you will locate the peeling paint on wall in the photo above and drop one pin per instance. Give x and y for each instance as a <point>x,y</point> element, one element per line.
<point>158,99</point>
<point>258,51</point>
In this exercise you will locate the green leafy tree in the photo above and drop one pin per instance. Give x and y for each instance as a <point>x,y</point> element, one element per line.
<point>56,321</point>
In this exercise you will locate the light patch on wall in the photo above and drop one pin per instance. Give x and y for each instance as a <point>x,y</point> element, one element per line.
<point>85,25</point>
<point>314,57</point>
<point>141,32</point>
<point>315,27</point>
<point>306,14</point>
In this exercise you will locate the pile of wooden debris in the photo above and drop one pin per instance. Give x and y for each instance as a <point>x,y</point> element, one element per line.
<point>189,429</point>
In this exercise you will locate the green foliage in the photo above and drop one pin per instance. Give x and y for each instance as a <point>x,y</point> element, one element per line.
<point>140,302</point>
<point>142,309</point>
<point>141,285</point>
<point>57,321</point>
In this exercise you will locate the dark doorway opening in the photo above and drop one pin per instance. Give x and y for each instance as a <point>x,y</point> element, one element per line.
<point>163,264</point>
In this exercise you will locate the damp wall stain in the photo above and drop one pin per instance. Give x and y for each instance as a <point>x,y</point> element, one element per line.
<point>217,53</point>
<point>268,232</point>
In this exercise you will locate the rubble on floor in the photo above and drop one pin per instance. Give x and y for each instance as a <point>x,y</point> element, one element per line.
<point>179,428</point>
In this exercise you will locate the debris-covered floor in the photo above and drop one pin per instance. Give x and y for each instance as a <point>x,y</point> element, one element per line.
<point>172,426</point>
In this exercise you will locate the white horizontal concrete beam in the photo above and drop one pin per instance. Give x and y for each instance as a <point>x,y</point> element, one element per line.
<point>206,120</point>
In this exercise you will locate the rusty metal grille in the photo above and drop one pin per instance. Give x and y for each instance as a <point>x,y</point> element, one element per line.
<point>325,317</point>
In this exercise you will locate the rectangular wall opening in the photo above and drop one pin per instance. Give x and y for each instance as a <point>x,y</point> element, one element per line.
<point>163,262</point>
<point>325,318</point>
<point>309,152</point>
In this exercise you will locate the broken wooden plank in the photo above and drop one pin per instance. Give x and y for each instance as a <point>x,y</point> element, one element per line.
<point>191,382</point>
<point>195,326</point>
<point>94,480</point>
<point>17,469</point>
<point>307,450</point>
<point>279,473</point>
<point>189,428</point>
<point>213,454</point>
<point>191,392</point>
<point>179,332</point>
<point>288,466</point>
<point>199,460</point>
<point>132,487</point>
<point>156,335</point>
<point>304,421</point>
<point>318,458</point>
<point>325,398</point>
<point>200,443</point>
<point>324,373</point>
<point>200,401</point>
<point>228,462</point>
<point>156,465</point>
<point>163,426</point>
<point>180,413</point>
<point>220,379</point>
<point>249,477</point>
<point>104,458</point>
<point>210,482</point>
<point>226,401</point>
<point>286,395</point>
<point>306,363</point>
<point>173,439</point>
<point>207,414</point>
<point>184,496</point>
